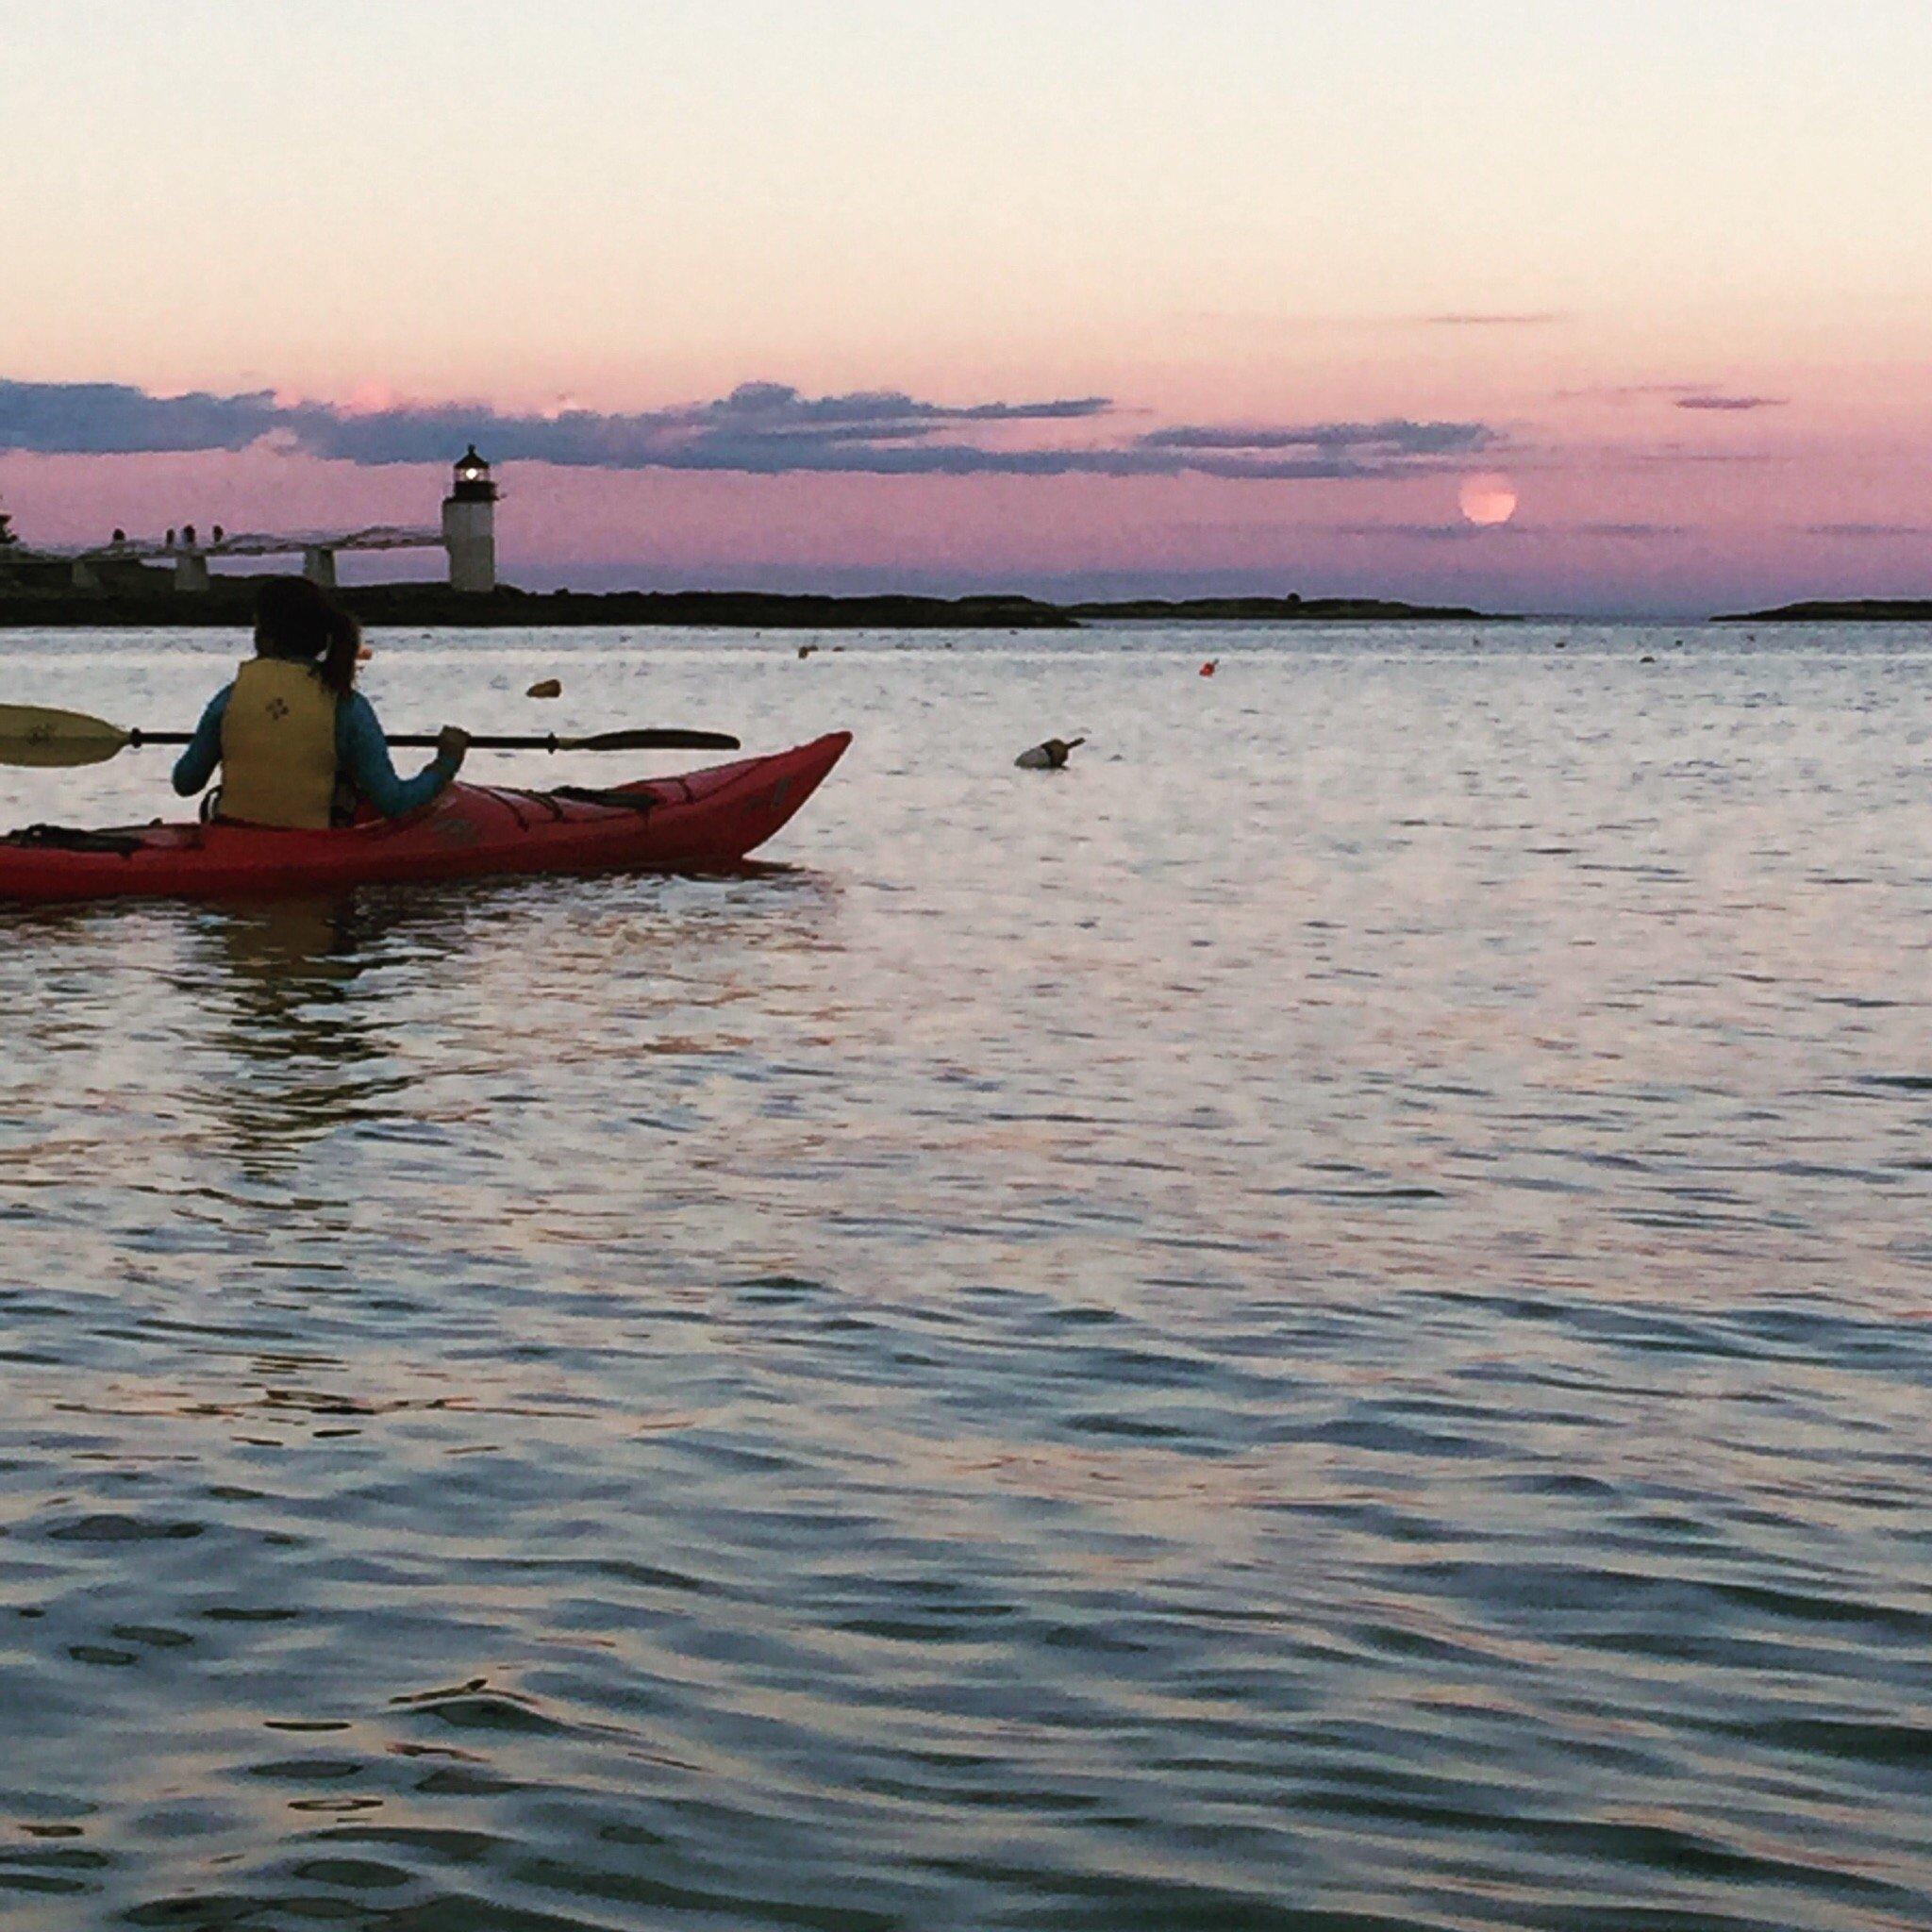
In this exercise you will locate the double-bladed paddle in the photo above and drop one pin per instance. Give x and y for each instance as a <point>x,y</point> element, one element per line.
<point>38,735</point>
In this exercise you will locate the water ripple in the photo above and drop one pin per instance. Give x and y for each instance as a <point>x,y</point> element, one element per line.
<point>1318,1327</point>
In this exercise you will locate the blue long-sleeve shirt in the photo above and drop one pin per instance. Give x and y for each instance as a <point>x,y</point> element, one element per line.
<point>361,756</point>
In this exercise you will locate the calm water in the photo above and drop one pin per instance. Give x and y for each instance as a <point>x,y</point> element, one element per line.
<point>1319,1322</point>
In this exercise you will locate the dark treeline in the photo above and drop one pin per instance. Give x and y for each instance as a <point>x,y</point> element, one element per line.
<point>229,602</point>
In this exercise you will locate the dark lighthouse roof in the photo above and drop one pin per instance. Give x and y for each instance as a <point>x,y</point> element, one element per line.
<point>472,482</point>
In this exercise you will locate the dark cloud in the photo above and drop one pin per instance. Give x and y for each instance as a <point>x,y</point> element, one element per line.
<point>1681,395</point>
<point>1445,533</point>
<point>1866,530</point>
<point>777,401</point>
<point>1426,533</point>
<point>1732,403</point>
<point>1619,530</point>
<point>111,418</point>
<point>1372,440</point>
<point>760,428</point>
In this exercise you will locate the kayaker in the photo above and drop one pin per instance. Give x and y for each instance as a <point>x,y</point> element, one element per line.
<point>297,745</point>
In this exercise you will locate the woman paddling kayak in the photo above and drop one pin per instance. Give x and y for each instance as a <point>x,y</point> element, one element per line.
<point>297,745</point>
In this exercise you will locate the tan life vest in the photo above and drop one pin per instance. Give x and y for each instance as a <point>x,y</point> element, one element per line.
<point>279,747</point>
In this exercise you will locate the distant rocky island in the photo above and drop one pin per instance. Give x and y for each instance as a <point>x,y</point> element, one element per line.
<point>230,601</point>
<point>1844,610</point>
<point>1274,610</point>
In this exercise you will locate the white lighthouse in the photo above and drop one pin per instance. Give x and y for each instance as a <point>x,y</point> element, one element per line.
<point>469,524</point>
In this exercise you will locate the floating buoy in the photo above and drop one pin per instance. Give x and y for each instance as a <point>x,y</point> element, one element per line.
<point>363,653</point>
<point>1048,756</point>
<point>1207,669</point>
<point>545,687</point>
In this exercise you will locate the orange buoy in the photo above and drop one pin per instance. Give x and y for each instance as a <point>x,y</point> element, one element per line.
<point>1207,669</point>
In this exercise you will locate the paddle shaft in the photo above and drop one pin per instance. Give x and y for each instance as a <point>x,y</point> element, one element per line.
<point>607,741</point>
<point>38,735</point>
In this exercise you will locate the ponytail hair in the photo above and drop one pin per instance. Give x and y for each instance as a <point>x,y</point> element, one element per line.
<point>338,667</point>
<point>298,619</point>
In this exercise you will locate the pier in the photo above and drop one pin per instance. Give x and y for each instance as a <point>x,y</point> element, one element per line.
<point>466,534</point>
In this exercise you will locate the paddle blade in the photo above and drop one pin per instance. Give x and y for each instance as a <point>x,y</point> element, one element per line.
<point>660,739</point>
<point>36,734</point>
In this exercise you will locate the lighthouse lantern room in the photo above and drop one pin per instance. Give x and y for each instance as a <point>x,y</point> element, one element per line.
<point>469,524</point>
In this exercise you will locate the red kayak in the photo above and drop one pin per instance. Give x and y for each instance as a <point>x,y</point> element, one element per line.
<point>692,823</point>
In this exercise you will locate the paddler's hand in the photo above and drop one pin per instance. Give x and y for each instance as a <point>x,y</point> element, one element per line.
<point>452,746</point>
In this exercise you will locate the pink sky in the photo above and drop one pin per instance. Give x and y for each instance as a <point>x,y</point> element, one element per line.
<point>1548,242</point>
